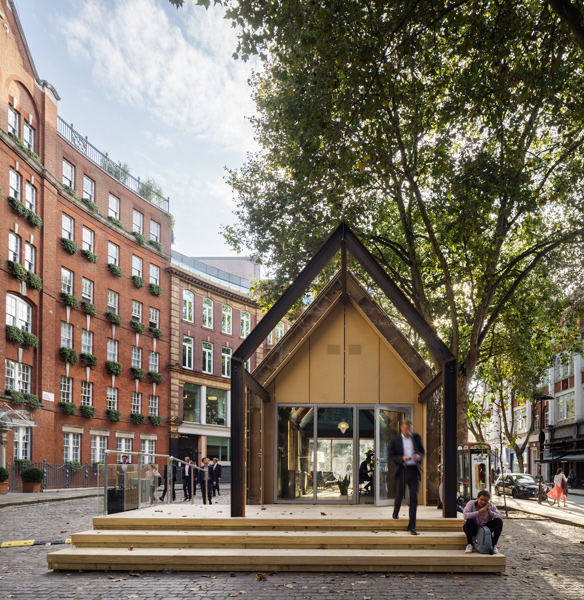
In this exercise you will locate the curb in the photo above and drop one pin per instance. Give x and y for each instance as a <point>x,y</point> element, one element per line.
<point>20,543</point>
<point>45,500</point>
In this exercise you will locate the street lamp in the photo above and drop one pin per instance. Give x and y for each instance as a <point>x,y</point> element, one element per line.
<point>541,440</point>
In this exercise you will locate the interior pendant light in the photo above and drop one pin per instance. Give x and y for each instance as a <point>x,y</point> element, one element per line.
<point>343,426</point>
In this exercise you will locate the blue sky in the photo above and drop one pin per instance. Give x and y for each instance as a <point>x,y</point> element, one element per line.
<point>157,88</point>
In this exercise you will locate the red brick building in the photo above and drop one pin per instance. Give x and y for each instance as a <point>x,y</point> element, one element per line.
<point>84,286</point>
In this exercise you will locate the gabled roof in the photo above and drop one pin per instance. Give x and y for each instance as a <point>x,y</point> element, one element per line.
<point>337,291</point>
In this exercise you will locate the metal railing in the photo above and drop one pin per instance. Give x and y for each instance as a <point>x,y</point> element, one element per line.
<point>116,170</point>
<point>62,476</point>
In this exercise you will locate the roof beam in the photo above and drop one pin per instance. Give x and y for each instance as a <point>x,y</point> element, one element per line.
<point>255,386</point>
<point>434,385</point>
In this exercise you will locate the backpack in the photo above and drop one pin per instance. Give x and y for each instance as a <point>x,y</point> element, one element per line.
<point>483,541</point>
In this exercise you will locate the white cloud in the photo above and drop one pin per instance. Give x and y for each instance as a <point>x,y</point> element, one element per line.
<point>181,72</point>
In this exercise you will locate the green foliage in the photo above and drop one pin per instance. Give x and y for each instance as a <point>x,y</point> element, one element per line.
<point>116,222</point>
<point>155,420</point>
<point>115,270</point>
<point>14,334</point>
<point>88,308</point>
<point>113,368</point>
<point>139,238</point>
<point>4,474</point>
<point>91,205</point>
<point>30,339</point>
<point>151,191</point>
<point>69,245</point>
<point>21,463</point>
<point>32,400</point>
<point>157,333</point>
<point>155,376</point>
<point>34,219</point>
<point>117,171</point>
<point>69,355</point>
<point>137,372</point>
<point>137,418</point>
<point>137,281</point>
<point>69,300</point>
<point>87,411</point>
<point>18,398</point>
<point>69,408</point>
<point>71,191</point>
<point>89,360</point>
<point>20,209</point>
<point>137,326</point>
<point>90,256</point>
<point>28,151</point>
<point>17,270</point>
<point>344,485</point>
<point>114,318</point>
<point>155,289</point>
<point>34,281</point>
<point>156,245</point>
<point>32,475</point>
<point>113,415</point>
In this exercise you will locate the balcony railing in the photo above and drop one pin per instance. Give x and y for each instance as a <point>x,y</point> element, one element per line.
<point>115,170</point>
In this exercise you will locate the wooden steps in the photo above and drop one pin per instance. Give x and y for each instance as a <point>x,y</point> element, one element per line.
<point>166,540</point>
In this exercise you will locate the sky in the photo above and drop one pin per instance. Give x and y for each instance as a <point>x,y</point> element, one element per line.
<point>158,89</point>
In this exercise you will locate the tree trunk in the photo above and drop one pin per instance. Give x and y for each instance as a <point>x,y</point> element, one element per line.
<point>462,409</point>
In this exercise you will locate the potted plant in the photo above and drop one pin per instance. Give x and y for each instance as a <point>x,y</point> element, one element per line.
<point>4,474</point>
<point>344,485</point>
<point>31,479</point>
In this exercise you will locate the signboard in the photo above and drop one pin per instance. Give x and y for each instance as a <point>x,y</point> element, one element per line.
<point>48,397</point>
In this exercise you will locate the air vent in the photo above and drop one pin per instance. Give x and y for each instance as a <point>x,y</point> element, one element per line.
<point>354,348</point>
<point>334,349</point>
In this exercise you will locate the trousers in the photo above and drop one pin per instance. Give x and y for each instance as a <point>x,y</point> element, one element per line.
<point>407,476</point>
<point>471,526</point>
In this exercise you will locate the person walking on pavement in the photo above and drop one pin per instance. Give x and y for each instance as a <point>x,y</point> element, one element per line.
<point>560,484</point>
<point>215,473</point>
<point>187,472</point>
<point>171,483</point>
<point>205,482</point>
<point>406,450</point>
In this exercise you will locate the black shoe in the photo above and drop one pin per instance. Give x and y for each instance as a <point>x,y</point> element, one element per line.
<point>161,499</point>
<point>395,516</point>
<point>414,532</point>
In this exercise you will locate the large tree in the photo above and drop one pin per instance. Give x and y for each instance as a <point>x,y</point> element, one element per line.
<point>448,134</point>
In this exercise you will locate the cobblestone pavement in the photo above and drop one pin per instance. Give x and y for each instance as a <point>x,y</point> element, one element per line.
<point>544,560</point>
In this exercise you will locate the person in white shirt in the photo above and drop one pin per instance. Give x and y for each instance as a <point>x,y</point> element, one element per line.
<point>558,491</point>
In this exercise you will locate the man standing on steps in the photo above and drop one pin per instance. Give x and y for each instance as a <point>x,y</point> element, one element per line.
<point>187,472</point>
<point>205,481</point>
<point>406,450</point>
<point>215,475</point>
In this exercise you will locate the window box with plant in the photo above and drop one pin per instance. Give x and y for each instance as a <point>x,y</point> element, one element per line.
<point>138,418</point>
<point>71,191</point>
<point>32,479</point>
<point>69,355</point>
<point>155,289</point>
<point>113,368</point>
<point>17,398</point>
<point>34,281</point>
<point>155,376</point>
<point>89,360</point>
<point>89,308</point>
<point>155,420</point>
<point>114,318</point>
<point>116,222</point>
<point>137,281</point>
<point>113,415</point>
<point>17,270</point>
<point>139,238</point>
<point>90,256</point>
<point>69,300</point>
<point>4,475</point>
<point>68,408</point>
<point>32,401</point>
<point>21,210</point>
<point>91,205</point>
<point>156,245</point>
<point>30,339</point>
<point>137,372</point>
<point>69,245</point>
<point>157,333</point>
<point>14,334</point>
<point>87,411</point>
<point>137,326</point>
<point>26,149</point>
<point>115,270</point>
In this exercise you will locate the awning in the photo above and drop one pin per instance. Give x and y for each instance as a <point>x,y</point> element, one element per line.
<point>573,457</point>
<point>553,456</point>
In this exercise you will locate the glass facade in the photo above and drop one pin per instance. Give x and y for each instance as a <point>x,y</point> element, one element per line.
<point>216,411</point>
<point>192,403</point>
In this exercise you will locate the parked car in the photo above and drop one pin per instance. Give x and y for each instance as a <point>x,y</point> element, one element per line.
<point>517,485</point>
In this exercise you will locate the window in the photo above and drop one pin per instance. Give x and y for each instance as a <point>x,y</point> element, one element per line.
<point>124,445</point>
<point>137,221</point>
<point>68,227</point>
<point>192,403</point>
<point>153,405</point>
<point>153,317</point>
<point>14,186</point>
<point>113,253</point>
<point>226,362</point>
<point>226,319</point>
<point>112,301</point>
<point>520,418</point>
<point>13,121</point>
<point>29,257</point>
<point>137,357</point>
<point>566,407</point>
<point>21,443</point>
<point>28,136</point>
<point>66,281</point>
<point>245,324</point>
<point>247,365</point>
<point>114,207</point>
<point>187,362</point>
<point>535,415</point>
<point>136,311</point>
<point>208,313</point>
<point>66,335</point>
<point>30,196</point>
<point>136,266</point>
<point>279,331</point>
<point>14,247</point>
<point>98,448</point>
<point>135,402</point>
<point>546,412</point>
<point>154,274</point>
<point>207,357</point>
<point>88,189</point>
<point>153,361</point>
<point>112,398</point>
<point>216,407</point>
<point>270,338</point>
<point>86,341</point>
<point>148,447</point>
<point>154,231</point>
<point>112,350</point>
<point>66,389</point>
<point>71,447</point>
<point>17,376</point>
<point>219,447</point>
<point>86,393</point>
<point>18,313</point>
<point>87,290</point>
<point>68,174</point>
<point>88,239</point>
<point>188,304</point>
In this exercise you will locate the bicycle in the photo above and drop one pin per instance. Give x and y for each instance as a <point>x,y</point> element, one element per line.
<point>543,495</point>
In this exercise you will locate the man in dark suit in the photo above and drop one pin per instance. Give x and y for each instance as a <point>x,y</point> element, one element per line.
<point>166,482</point>
<point>406,450</point>
<point>187,472</point>
<point>215,476</point>
<point>122,468</point>
<point>205,481</point>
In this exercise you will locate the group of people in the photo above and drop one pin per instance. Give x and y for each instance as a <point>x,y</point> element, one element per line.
<point>207,477</point>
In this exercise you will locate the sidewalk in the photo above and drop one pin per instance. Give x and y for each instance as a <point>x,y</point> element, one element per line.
<point>573,514</point>
<point>20,498</point>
